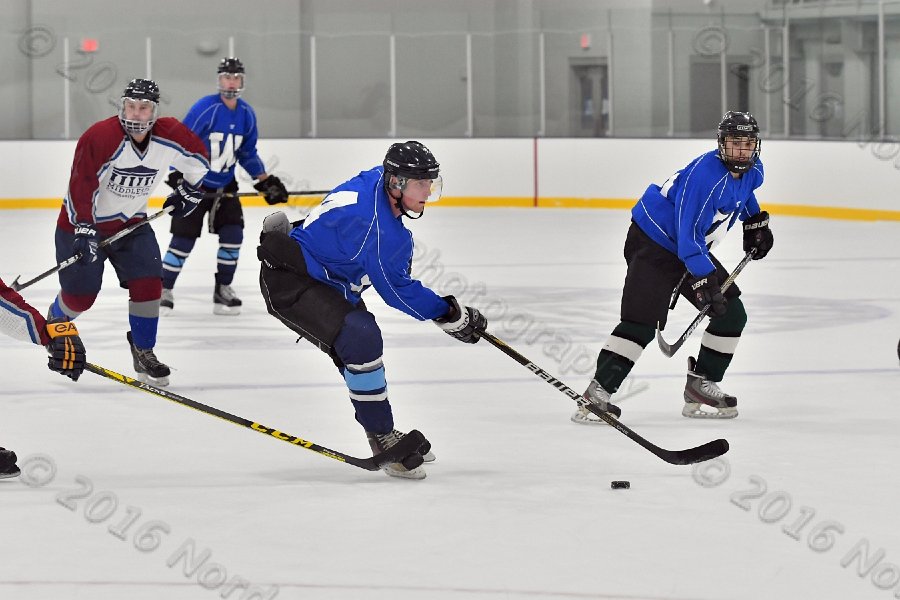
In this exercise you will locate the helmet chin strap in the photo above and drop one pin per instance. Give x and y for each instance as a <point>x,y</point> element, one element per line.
<point>398,202</point>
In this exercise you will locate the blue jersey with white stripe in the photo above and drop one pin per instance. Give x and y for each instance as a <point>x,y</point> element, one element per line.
<point>352,241</point>
<point>230,137</point>
<point>694,209</point>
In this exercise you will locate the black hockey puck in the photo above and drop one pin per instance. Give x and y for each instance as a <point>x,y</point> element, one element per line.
<point>620,485</point>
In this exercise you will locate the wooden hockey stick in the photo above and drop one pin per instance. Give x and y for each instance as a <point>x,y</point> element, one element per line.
<point>15,285</point>
<point>670,349</point>
<point>411,442</point>
<point>689,456</point>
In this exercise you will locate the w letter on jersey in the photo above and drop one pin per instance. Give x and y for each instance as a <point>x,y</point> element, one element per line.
<point>222,149</point>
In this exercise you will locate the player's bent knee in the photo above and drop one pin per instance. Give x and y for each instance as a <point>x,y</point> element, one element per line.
<point>77,303</point>
<point>360,337</point>
<point>145,289</point>
<point>734,319</point>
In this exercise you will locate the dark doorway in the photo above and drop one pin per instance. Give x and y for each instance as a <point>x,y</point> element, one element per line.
<point>706,92</point>
<point>589,98</point>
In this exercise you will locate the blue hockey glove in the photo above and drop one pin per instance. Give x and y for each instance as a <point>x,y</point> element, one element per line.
<point>85,243</point>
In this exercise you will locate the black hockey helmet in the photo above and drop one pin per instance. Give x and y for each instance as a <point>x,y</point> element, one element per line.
<point>230,65</point>
<point>738,125</point>
<point>411,160</point>
<point>144,90</point>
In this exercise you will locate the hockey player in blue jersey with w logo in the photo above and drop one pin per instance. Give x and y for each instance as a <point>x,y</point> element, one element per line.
<point>674,228</point>
<point>313,275</point>
<point>227,125</point>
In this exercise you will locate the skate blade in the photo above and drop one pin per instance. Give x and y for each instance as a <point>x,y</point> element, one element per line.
<point>228,311</point>
<point>10,474</point>
<point>403,473</point>
<point>428,456</point>
<point>155,381</point>
<point>588,419</point>
<point>694,411</point>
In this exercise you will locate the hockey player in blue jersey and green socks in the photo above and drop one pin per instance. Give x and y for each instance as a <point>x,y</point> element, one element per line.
<point>673,229</point>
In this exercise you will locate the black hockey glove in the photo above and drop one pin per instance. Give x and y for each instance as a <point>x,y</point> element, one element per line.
<point>230,189</point>
<point>706,290</point>
<point>85,243</point>
<point>758,235</point>
<point>66,351</point>
<point>174,179</point>
<point>464,323</point>
<point>184,199</point>
<point>272,190</point>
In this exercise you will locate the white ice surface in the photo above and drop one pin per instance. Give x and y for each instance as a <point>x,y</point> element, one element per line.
<point>518,505</point>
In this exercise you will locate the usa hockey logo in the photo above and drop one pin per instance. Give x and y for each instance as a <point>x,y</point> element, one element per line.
<point>131,182</point>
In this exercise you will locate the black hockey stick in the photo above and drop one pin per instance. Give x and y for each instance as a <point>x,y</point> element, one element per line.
<point>214,195</point>
<point>410,442</point>
<point>670,349</point>
<point>676,292</point>
<point>676,457</point>
<point>15,285</point>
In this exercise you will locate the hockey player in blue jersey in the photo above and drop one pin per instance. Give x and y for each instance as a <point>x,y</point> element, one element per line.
<point>673,229</point>
<point>313,275</point>
<point>227,125</point>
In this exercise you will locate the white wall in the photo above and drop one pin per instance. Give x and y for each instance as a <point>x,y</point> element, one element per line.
<point>829,174</point>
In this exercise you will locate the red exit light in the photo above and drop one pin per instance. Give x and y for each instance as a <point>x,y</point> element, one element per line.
<point>89,45</point>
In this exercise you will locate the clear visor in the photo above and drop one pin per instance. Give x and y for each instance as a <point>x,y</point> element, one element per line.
<point>437,186</point>
<point>430,189</point>
<point>230,85</point>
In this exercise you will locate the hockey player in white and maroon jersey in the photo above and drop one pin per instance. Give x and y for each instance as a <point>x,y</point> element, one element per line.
<point>118,162</point>
<point>22,321</point>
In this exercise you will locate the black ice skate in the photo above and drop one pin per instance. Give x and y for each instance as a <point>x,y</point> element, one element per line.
<point>225,301</point>
<point>148,368</point>
<point>700,391</point>
<point>409,468</point>
<point>8,466</point>
<point>595,394</point>
<point>166,302</point>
